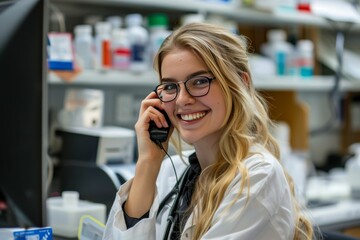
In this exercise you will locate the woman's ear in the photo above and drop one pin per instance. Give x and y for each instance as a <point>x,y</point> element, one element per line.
<point>246,78</point>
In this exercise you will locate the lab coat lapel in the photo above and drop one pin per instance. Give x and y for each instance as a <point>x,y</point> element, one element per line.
<point>188,228</point>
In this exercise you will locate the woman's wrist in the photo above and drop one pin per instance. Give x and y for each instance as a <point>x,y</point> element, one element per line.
<point>148,169</point>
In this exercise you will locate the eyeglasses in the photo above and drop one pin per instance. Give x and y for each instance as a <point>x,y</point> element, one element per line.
<point>197,87</point>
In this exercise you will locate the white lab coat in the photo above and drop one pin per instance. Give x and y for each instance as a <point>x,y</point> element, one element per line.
<point>269,214</point>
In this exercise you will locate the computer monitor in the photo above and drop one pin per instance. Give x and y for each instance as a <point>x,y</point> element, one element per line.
<point>23,107</point>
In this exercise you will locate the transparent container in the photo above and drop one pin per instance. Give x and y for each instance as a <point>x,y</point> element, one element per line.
<point>64,213</point>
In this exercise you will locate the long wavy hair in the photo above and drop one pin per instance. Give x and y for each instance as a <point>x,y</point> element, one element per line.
<point>246,121</point>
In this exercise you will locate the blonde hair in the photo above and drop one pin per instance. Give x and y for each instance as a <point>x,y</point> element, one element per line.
<point>246,121</point>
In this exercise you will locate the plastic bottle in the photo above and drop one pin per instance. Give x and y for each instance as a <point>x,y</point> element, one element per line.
<point>158,24</point>
<point>293,163</point>
<point>83,44</point>
<point>121,49</point>
<point>218,19</point>
<point>115,21</point>
<point>139,38</point>
<point>192,17</point>
<point>103,45</point>
<point>352,168</point>
<point>305,57</point>
<point>278,49</point>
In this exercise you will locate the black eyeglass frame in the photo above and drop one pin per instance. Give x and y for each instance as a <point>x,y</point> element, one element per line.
<point>210,79</point>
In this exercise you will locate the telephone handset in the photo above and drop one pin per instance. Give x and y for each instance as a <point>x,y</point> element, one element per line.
<point>159,135</point>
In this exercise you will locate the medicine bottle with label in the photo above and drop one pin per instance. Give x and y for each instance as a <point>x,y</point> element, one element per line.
<point>305,57</point>
<point>83,46</point>
<point>158,24</point>
<point>139,39</point>
<point>121,51</point>
<point>103,45</point>
<point>278,49</point>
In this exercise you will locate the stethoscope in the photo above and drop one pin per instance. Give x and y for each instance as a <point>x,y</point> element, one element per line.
<point>177,191</point>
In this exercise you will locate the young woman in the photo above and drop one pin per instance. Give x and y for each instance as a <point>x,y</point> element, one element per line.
<point>232,185</point>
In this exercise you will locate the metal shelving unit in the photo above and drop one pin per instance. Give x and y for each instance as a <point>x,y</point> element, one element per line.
<point>149,78</point>
<point>241,14</point>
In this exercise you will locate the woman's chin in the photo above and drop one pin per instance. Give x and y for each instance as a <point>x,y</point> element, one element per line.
<point>188,139</point>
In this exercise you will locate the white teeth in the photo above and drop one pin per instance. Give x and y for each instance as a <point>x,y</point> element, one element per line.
<point>190,117</point>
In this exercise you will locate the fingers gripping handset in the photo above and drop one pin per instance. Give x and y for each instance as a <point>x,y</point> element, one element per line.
<point>159,135</point>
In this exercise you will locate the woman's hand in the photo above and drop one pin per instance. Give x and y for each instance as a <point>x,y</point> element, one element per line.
<point>150,156</point>
<point>147,149</point>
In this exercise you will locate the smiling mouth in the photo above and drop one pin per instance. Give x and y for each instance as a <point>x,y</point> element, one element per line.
<point>193,116</point>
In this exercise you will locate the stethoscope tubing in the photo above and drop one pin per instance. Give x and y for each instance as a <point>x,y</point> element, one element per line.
<point>177,190</point>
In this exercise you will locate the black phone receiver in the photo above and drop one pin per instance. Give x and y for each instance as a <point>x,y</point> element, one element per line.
<point>159,135</point>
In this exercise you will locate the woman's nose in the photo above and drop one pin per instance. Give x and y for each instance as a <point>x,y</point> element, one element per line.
<point>183,96</point>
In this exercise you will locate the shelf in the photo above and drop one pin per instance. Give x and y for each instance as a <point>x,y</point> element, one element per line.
<point>117,78</point>
<point>231,11</point>
<point>316,83</point>
<point>108,78</point>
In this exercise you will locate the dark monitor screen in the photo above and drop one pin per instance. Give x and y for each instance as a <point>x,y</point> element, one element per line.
<point>23,107</point>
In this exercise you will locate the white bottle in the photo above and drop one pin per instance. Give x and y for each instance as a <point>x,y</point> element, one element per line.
<point>115,21</point>
<point>305,55</point>
<point>121,49</point>
<point>83,44</point>
<point>103,45</point>
<point>278,49</point>
<point>158,24</point>
<point>294,164</point>
<point>191,18</point>
<point>139,39</point>
<point>352,168</point>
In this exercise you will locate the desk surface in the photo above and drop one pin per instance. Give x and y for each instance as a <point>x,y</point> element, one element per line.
<point>343,212</point>
<point>339,211</point>
<point>337,216</point>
